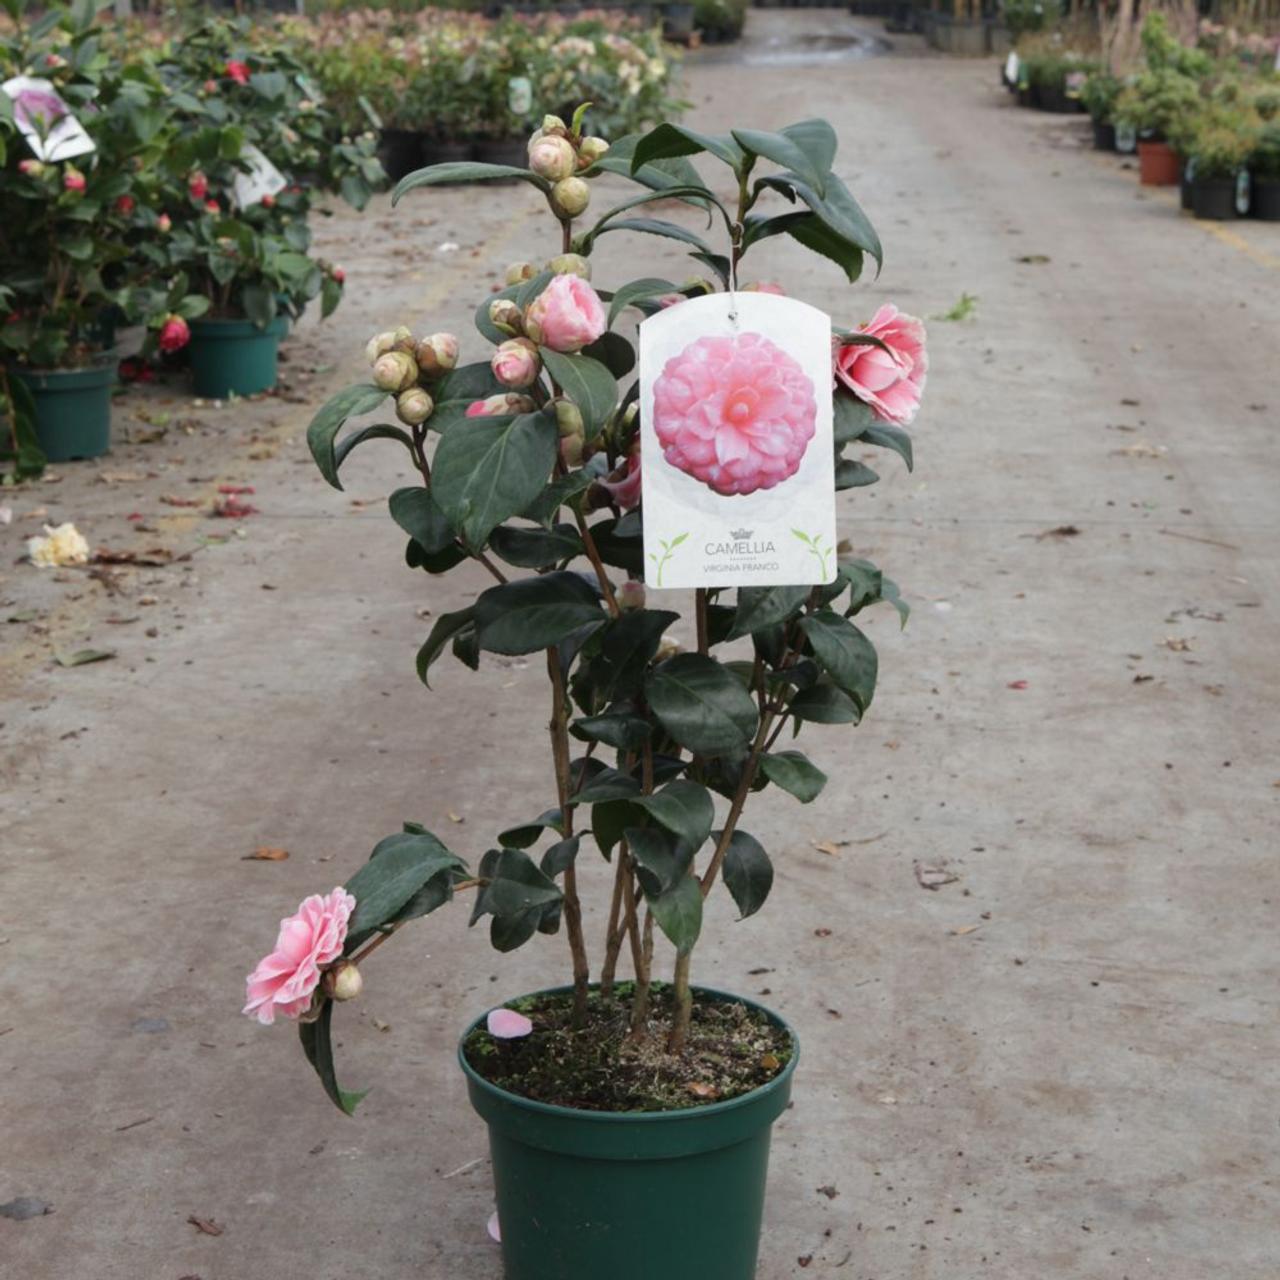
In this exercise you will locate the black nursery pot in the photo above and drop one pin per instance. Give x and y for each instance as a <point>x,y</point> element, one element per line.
<point>1266,199</point>
<point>1053,97</point>
<point>400,151</point>
<point>445,150</point>
<point>512,151</point>
<point>1214,198</point>
<point>1104,136</point>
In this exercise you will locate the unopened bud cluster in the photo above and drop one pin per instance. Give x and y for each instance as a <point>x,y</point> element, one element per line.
<point>559,155</point>
<point>401,364</point>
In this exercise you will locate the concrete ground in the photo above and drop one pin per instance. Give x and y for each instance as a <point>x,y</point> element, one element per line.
<point>1061,1064</point>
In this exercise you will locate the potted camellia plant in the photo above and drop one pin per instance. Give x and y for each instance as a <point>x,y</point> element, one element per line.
<point>629,1118</point>
<point>1099,94</point>
<point>1264,166</point>
<point>76,143</point>
<point>1218,156</point>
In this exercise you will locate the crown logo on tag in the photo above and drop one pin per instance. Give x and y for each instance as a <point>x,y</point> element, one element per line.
<point>740,535</point>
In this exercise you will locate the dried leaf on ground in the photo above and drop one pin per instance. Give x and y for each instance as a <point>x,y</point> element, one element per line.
<point>266,853</point>
<point>965,929</point>
<point>1061,531</point>
<point>831,847</point>
<point>173,500</point>
<point>933,877</point>
<point>1017,684</point>
<point>1140,449</point>
<point>152,557</point>
<point>206,1226</point>
<point>82,656</point>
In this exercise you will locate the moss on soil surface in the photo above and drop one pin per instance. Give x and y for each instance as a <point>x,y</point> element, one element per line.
<point>732,1049</point>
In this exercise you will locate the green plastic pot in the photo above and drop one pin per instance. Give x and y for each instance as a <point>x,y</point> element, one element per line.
<point>234,357</point>
<point>73,408</point>
<point>584,1195</point>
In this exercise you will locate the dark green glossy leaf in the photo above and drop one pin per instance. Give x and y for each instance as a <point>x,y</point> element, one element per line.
<point>683,807</point>
<point>419,515</point>
<point>535,548</point>
<point>628,646</point>
<point>607,784</point>
<point>844,652</point>
<point>468,382</point>
<point>399,866</point>
<point>760,607</point>
<point>787,153</point>
<point>701,705</point>
<point>853,475</point>
<point>535,613</point>
<point>889,437</point>
<point>516,884</point>
<point>650,287</point>
<point>671,140</point>
<point>445,628</point>
<point>560,857</point>
<point>438,175</point>
<point>678,912</point>
<point>560,491</point>
<point>616,354</point>
<point>658,864</point>
<point>823,703</point>
<point>625,731</point>
<point>587,383</point>
<point>530,833</point>
<point>660,227</point>
<point>794,772</point>
<point>610,819</point>
<point>328,422</point>
<point>317,1044</point>
<point>493,470</point>
<point>748,873</point>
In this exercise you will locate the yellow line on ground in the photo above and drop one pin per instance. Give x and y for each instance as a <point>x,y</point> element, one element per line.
<point>1234,240</point>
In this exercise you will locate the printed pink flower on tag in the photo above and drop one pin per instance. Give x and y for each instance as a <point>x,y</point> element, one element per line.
<point>312,937</point>
<point>891,381</point>
<point>736,413</point>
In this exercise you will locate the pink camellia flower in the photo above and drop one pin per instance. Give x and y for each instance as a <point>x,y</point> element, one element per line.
<point>175,333</point>
<point>73,180</point>
<point>312,937</point>
<point>665,300</point>
<point>268,202</point>
<point>211,86</point>
<point>237,71</point>
<point>211,206</point>
<point>164,223</point>
<point>566,316</point>
<point>625,489</point>
<point>496,406</point>
<point>198,185</point>
<point>507,1024</point>
<point>516,363</point>
<point>124,205</point>
<point>892,381</point>
<point>736,413</point>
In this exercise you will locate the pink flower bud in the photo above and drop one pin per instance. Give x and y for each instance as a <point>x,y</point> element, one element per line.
<point>198,185</point>
<point>566,316</point>
<point>570,197</point>
<point>500,405</point>
<point>378,345</point>
<point>124,205</point>
<point>519,272</point>
<point>174,333</point>
<point>437,354</point>
<point>553,124</point>
<point>631,596</point>
<point>73,180</point>
<point>54,60</point>
<point>343,982</point>
<point>394,371</point>
<point>570,264</point>
<point>414,406</point>
<point>516,363</point>
<point>568,418</point>
<point>164,223</point>
<point>237,71</point>
<point>338,275</point>
<point>402,339</point>
<point>590,150</point>
<point>30,168</point>
<point>210,86</point>
<point>267,201</point>
<point>506,316</point>
<point>211,206</point>
<point>552,158</point>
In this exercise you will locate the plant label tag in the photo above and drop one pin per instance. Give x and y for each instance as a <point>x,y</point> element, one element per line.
<point>45,121</point>
<point>738,469</point>
<point>1011,68</point>
<point>262,179</point>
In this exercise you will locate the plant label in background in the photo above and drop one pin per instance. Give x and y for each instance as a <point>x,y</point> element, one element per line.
<point>45,121</point>
<point>738,464</point>
<point>263,178</point>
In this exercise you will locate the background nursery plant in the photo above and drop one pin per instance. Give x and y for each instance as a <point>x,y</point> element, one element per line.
<point>529,466</point>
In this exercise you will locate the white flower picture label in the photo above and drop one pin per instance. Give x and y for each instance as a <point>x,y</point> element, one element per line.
<point>262,178</point>
<point>45,121</point>
<point>738,466</point>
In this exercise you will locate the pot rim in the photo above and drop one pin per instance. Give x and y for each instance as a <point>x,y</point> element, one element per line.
<point>753,1096</point>
<point>246,326</point>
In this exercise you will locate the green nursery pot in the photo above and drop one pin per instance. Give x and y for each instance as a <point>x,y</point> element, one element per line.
<point>73,408</point>
<point>234,357</point>
<point>675,1195</point>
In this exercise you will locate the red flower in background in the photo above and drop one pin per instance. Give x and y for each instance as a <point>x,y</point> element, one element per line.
<point>237,71</point>
<point>198,185</point>
<point>125,206</point>
<point>175,333</point>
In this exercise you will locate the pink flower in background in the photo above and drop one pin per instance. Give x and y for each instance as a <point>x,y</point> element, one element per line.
<point>73,180</point>
<point>175,333</point>
<point>736,413</point>
<point>507,1024</point>
<point>566,316</point>
<point>237,71</point>
<point>892,381</point>
<point>507,402</point>
<point>625,491</point>
<point>764,286</point>
<point>284,981</point>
